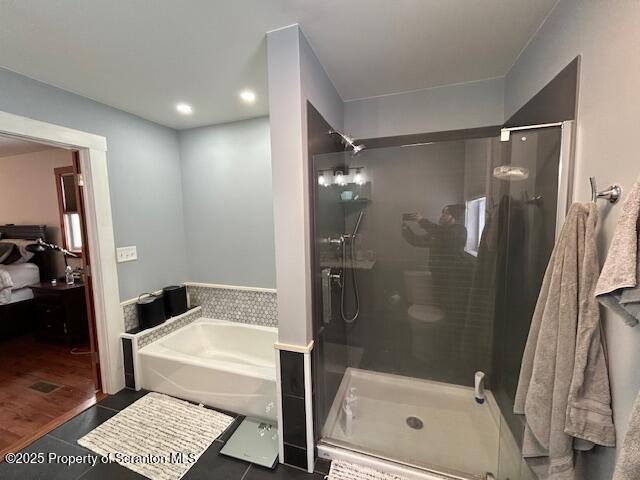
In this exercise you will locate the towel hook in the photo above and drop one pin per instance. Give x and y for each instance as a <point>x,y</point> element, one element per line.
<point>613,193</point>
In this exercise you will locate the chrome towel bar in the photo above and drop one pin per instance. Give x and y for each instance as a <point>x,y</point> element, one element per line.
<point>612,194</point>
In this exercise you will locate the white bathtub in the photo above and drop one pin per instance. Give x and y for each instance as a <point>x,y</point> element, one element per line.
<point>222,364</point>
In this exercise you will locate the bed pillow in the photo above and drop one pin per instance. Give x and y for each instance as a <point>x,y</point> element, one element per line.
<point>6,249</point>
<point>20,247</point>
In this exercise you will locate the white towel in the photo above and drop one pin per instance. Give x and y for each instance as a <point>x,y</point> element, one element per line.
<point>618,287</point>
<point>6,284</point>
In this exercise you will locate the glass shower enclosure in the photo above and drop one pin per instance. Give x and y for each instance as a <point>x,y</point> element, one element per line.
<point>427,262</point>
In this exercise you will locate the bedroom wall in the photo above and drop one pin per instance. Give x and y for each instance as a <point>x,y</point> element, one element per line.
<point>606,35</point>
<point>28,192</point>
<point>144,177</point>
<point>228,209</point>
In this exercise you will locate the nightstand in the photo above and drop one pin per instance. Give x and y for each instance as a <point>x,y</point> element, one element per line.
<point>61,312</point>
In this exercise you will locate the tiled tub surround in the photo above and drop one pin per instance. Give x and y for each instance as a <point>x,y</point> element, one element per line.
<point>152,334</point>
<point>295,402</point>
<point>257,306</point>
<point>130,312</point>
<point>132,342</point>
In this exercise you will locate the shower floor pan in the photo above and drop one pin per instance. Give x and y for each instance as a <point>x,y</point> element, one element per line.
<point>423,424</point>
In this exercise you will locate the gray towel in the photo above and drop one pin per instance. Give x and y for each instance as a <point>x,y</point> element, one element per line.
<point>619,283</point>
<point>628,464</point>
<point>563,389</point>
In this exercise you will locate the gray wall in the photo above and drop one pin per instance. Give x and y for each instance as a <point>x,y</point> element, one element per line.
<point>450,107</point>
<point>144,177</point>
<point>228,210</point>
<point>606,35</point>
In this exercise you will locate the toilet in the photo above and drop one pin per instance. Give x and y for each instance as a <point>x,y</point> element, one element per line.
<point>424,316</point>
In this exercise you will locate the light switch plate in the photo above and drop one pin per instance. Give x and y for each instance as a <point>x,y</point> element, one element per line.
<point>126,254</point>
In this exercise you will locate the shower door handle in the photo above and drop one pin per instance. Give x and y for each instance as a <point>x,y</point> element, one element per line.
<point>326,295</point>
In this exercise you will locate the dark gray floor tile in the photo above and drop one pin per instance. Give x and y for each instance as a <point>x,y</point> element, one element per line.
<point>82,424</point>
<point>230,429</point>
<point>111,471</point>
<point>281,472</point>
<point>46,470</point>
<point>122,399</point>
<point>322,466</point>
<point>212,465</point>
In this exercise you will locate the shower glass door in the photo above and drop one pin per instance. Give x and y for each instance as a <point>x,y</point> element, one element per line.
<point>412,264</point>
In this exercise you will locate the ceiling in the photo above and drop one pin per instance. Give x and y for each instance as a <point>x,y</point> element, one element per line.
<point>10,146</point>
<point>145,56</point>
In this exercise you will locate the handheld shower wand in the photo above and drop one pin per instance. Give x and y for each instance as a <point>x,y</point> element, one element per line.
<point>352,247</point>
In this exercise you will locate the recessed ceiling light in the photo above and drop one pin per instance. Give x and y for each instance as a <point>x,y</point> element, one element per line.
<point>248,96</point>
<point>184,108</point>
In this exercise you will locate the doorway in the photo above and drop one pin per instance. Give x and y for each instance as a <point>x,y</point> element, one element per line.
<point>47,321</point>
<point>98,268</point>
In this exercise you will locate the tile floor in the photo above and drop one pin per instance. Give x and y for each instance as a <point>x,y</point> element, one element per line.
<point>63,441</point>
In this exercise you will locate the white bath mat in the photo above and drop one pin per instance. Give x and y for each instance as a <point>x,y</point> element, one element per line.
<point>149,436</point>
<point>351,471</point>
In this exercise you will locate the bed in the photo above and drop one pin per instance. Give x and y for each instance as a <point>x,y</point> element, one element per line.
<point>16,305</point>
<point>22,275</point>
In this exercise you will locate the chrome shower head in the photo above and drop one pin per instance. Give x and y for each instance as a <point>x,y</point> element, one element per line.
<point>348,142</point>
<point>357,149</point>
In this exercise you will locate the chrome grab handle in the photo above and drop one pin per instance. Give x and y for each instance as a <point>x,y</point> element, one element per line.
<point>327,277</point>
<point>326,295</point>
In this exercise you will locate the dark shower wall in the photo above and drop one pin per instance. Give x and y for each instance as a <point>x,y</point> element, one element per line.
<point>402,180</point>
<point>329,359</point>
<point>486,298</point>
<point>528,243</point>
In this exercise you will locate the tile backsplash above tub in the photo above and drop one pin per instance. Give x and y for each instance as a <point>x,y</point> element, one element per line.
<point>130,311</point>
<point>257,306</point>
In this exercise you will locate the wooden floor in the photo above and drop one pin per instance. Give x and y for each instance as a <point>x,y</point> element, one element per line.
<point>26,414</point>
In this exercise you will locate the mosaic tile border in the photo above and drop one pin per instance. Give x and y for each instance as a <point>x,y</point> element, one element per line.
<point>130,311</point>
<point>236,304</point>
<point>151,335</point>
<point>255,307</point>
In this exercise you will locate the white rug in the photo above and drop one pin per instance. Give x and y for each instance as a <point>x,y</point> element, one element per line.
<point>150,435</point>
<point>351,471</point>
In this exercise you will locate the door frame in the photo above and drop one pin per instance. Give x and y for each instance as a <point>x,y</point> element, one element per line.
<point>92,151</point>
<point>565,167</point>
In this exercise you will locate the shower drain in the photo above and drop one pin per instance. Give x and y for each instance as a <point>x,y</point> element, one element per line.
<point>415,423</point>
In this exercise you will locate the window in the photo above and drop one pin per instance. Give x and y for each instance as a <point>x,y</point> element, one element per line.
<point>72,233</point>
<point>68,207</point>
<point>474,222</point>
